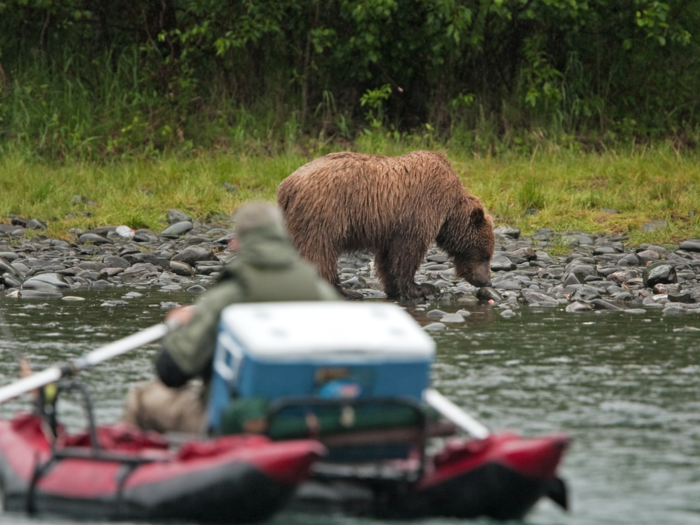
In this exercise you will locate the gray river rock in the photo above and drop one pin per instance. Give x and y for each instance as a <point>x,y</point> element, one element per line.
<point>601,272</point>
<point>178,228</point>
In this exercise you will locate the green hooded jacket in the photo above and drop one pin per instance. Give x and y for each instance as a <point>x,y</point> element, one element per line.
<point>266,268</point>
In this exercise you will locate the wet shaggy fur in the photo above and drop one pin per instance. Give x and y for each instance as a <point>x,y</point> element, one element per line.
<point>395,207</point>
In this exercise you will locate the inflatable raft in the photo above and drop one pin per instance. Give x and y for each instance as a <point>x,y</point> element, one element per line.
<point>120,473</point>
<point>502,477</point>
<point>356,377</point>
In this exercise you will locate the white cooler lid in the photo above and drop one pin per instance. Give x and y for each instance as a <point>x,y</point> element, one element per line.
<point>327,329</point>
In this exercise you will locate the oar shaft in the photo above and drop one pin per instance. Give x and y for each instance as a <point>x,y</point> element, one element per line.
<point>51,375</point>
<point>34,381</point>
<point>455,414</point>
<point>119,347</point>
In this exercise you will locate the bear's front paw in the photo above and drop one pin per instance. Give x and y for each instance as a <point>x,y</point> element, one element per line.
<point>422,291</point>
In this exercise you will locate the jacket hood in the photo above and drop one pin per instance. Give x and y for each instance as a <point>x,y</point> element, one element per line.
<point>267,246</point>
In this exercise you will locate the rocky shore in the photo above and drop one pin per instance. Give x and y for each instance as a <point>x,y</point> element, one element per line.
<point>601,272</point>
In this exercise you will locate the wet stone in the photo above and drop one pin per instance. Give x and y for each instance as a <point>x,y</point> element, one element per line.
<point>690,245</point>
<point>106,273</point>
<point>635,311</point>
<point>113,261</point>
<point>354,283</point>
<point>53,279</point>
<point>586,293</point>
<point>501,263</point>
<point>522,255</point>
<point>196,289</point>
<point>35,224</point>
<point>508,313</point>
<point>629,260</point>
<point>685,297</point>
<point>197,239</point>
<point>513,233</point>
<point>39,286</point>
<point>658,249</point>
<point>193,254</point>
<point>604,250</point>
<point>168,305</point>
<point>435,314</point>
<point>647,256</point>
<point>181,268</point>
<point>452,318</point>
<point>573,279</point>
<point>73,298</point>
<point>508,284</point>
<point>654,225</point>
<point>93,238</point>
<point>604,305</point>
<point>659,273</point>
<point>370,293</point>
<point>489,294</point>
<point>38,294</point>
<point>435,327</point>
<point>624,276</point>
<point>175,216</point>
<point>92,265</point>
<point>667,288</point>
<point>674,310</point>
<point>577,307</point>
<point>533,298</point>
<point>436,267</point>
<point>178,228</point>
<point>146,236</point>
<point>207,270</point>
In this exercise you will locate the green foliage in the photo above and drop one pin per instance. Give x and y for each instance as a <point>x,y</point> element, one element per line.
<point>90,78</point>
<point>570,189</point>
<point>531,195</point>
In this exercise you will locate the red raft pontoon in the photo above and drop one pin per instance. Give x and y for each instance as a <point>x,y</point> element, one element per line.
<point>501,476</point>
<point>134,475</point>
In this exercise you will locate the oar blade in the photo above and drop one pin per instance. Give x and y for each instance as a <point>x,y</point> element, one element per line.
<point>34,381</point>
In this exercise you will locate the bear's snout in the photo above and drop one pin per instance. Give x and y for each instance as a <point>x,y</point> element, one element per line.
<point>481,276</point>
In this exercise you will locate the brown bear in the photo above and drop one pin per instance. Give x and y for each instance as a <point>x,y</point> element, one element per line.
<point>395,207</point>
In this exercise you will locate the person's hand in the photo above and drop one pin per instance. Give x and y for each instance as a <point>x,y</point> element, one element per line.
<point>180,315</point>
<point>233,243</point>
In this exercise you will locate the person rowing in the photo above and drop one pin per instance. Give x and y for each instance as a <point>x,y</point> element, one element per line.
<point>266,268</point>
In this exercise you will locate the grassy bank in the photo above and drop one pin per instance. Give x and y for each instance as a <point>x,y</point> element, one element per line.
<point>569,189</point>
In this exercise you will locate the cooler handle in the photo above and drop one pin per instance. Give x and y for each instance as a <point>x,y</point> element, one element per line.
<point>228,345</point>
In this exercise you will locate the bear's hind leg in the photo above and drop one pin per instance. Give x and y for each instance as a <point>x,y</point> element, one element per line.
<point>397,268</point>
<point>382,264</point>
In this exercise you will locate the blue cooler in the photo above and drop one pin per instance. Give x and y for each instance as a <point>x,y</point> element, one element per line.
<point>323,349</point>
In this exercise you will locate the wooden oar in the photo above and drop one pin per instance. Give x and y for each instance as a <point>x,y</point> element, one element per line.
<point>53,374</point>
<point>455,414</point>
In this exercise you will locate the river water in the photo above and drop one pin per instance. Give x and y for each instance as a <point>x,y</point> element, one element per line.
<point>625,387</point>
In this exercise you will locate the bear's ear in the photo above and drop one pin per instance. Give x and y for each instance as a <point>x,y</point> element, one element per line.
<point>477,215</point>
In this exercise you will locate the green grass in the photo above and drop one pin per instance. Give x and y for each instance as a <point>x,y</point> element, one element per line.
<point>568,187</point>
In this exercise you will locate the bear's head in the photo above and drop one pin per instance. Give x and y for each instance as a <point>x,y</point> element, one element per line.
<point>471,241</point>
